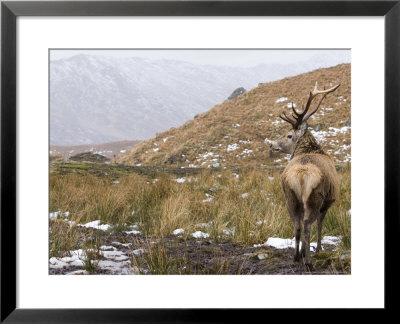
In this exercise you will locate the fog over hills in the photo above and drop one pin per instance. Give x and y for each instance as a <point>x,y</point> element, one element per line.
<point>97,99</point>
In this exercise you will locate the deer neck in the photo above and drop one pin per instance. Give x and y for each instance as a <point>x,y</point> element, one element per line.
<point>307,144</point>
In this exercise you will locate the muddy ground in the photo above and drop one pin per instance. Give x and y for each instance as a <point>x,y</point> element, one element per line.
<point>122,253</point>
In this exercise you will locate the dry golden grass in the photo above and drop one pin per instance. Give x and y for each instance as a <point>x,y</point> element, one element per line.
<point>246,208</point>
<point>256,111</point>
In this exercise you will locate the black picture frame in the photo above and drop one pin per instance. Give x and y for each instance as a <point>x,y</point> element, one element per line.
<point>10,10</point>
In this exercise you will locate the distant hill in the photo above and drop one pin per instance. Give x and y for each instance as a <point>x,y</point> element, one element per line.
<point>236,132</point>
<point>97,99</point>
<point>108,150</point>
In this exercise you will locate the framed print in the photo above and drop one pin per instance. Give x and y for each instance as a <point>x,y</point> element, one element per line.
<point>189,153</point>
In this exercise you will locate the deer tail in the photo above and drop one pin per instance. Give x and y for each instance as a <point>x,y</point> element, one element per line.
<point>303,179</point>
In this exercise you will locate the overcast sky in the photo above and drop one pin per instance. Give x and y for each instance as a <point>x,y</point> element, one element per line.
<point>244,58</point>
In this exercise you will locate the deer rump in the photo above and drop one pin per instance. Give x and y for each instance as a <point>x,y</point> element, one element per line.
<point>303,179</point>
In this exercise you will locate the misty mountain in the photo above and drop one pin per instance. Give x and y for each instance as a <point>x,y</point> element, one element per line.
<point>96,99</point>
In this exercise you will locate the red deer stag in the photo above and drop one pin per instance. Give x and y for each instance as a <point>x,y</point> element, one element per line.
<point>309,181</point>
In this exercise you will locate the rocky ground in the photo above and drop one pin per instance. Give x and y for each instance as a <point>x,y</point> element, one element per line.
<point>132,253</point>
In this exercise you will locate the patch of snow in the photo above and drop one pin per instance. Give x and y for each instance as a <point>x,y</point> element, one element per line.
<point>245,195</point>
<point>114,267</point>
<point>232,147</point>
<point>122,244</point>
<point>138,251</point>
<point>156,149</point>
<point>331,240</point>
<point>57,214</point>
<point>229,232</point>
<point>235,125</point>
<point>200,234</point>
<point>122,151</point>
<point>96,224</point>
<point>133,232</point>
<point>77,273</point>
<point>246,151</point>
<point>178,231</point>
<point>209,198</point>
<point>245,141</point>
<point>282,99</point>
<point>180,180</point>
<point>279,243</point>
<point>291,104</point>
<point>70,223</point>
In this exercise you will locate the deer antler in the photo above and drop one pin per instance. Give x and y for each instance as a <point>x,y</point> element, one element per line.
<point>299,118</point>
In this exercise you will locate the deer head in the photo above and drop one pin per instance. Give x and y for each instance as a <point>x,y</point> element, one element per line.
<point>287,143</point>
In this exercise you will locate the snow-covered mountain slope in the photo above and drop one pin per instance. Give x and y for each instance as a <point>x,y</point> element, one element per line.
<point>96,99</point>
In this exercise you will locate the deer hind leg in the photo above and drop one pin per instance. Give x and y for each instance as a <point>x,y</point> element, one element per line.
<point>295,213</point>
<point>297,233</point>
<point>325,206</point>
<point>310,215</point>
<point>319,229</point>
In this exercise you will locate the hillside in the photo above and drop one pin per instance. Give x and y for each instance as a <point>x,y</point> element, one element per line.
<point>235,133</point>
<point>98,99</point>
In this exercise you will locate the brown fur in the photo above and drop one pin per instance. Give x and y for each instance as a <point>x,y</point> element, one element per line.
<point>310,183</point>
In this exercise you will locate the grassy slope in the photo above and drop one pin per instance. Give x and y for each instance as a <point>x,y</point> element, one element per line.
<point>256,111</point>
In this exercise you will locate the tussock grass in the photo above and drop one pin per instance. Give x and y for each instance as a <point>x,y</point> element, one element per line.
<point>245,207</point>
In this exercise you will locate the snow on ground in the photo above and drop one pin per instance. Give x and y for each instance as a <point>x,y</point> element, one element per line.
<point>245,141</point>
<point>122,244</point>
<point>291,104</point>
<point>232,147</point>
<point>96,224</point>
<point>180,180</point>
<point>178,231</point>
<point>57,214</point>
<point>332,131</point>
<point>134,232</point>
<point>280,243</point>
<point>209,198</point>
<point>261,222</point>
<point>115,262</point>
<point>200,234</point>
<point>77,272</point>
<point>229,232</point>
<point>245,152</point>
<point>281,99</point>
<point>331,240</point>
